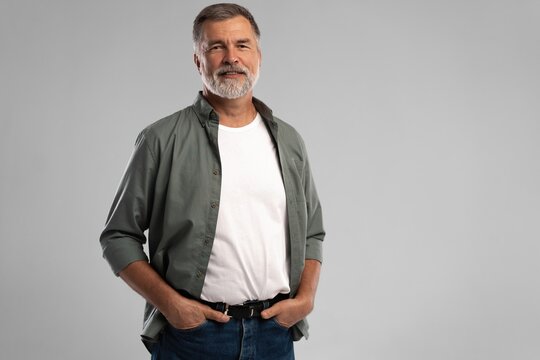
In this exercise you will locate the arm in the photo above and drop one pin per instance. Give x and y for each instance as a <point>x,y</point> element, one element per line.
<point>289,312</point>
<point>123,238</point>
<point>180,312</point>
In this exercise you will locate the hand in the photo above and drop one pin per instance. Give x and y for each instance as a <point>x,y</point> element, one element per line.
<point>188,314</point>
<point>181,312</point>
<point>289,312</point>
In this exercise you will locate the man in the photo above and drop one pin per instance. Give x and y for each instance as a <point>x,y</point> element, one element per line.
<point>234,223</point>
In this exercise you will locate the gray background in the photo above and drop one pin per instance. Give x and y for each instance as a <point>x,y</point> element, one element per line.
<point>422,122</point>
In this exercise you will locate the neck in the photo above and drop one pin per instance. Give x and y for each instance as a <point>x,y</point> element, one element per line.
<point>232,112</point>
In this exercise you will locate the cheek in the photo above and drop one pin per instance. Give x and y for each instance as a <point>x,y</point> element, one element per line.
<point>206,68</point>
<point>211,65</point>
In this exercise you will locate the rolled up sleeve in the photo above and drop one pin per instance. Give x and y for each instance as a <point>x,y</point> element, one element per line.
<point>123,237</point>
<point>315,232</point>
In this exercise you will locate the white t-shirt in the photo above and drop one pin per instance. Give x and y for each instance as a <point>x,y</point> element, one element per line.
<point>249,259</point>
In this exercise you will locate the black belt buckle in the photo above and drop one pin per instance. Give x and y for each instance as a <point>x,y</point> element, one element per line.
<point>253,306</point>
<point>247,310</point>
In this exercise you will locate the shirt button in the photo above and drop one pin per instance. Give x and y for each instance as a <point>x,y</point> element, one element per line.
<point>206,242</point>
<point>215,172</point>
<point>213,205</point>
<point>199,274</point>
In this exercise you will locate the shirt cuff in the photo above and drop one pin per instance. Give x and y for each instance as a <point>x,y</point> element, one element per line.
<point>314,249</point>
<point>122,252</point>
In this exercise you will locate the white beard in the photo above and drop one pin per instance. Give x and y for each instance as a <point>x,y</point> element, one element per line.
<point>230,88</point>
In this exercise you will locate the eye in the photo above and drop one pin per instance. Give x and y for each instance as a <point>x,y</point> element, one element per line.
<point>215,47</point>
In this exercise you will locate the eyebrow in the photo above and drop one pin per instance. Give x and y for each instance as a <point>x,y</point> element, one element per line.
<point>221,42</point>
<point>243,41</point>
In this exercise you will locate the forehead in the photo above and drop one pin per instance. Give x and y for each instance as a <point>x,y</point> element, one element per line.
<point>233,28</point>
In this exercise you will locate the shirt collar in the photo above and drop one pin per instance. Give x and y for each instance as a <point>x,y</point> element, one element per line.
<point>206,113</point>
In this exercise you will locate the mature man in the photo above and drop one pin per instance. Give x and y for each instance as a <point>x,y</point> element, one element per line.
<point>234,223</point>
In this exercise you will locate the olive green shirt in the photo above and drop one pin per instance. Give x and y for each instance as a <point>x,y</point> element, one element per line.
<point>171,187</point>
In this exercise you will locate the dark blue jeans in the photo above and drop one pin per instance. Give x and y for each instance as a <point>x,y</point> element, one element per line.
<point>239,339</point>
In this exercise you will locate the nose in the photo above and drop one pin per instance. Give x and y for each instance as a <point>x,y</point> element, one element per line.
<point>230,57</point>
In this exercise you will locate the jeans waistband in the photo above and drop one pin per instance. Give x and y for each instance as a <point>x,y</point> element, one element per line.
<point>249,309</point>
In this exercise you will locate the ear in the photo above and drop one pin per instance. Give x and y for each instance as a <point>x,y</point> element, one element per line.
<point>197,62</point>
<point>260,56</point>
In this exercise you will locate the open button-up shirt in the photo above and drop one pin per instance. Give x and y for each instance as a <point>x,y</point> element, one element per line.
<point>171,187</point>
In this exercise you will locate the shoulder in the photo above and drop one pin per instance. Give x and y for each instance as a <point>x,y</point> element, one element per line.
<point>286,132</point>
<point>289,135</point>
<point>164,127</point>
<point>159,135</point>
<point>167,128</point>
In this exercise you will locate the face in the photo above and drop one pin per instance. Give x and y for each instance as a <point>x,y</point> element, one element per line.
<point>228,57</point>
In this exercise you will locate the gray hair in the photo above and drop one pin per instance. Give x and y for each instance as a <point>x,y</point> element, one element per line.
<point>219,12</point>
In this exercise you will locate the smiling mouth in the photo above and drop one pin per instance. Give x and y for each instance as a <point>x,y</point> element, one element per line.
<point>231,71</point>
<point>226,73</point>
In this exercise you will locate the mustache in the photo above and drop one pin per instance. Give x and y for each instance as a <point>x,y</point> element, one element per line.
<point>231,68</point>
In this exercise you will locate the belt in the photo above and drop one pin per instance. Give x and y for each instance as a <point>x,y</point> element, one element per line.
<point>247,310</point>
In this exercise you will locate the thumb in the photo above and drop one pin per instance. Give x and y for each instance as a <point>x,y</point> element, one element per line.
<point>215,315</point>
<point>270,312</point>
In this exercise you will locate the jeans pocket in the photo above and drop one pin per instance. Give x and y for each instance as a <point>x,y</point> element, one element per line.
<point>275,322</point>
<point>190,330</point>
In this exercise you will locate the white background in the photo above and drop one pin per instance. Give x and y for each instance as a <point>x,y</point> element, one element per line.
<point>422,119</point>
